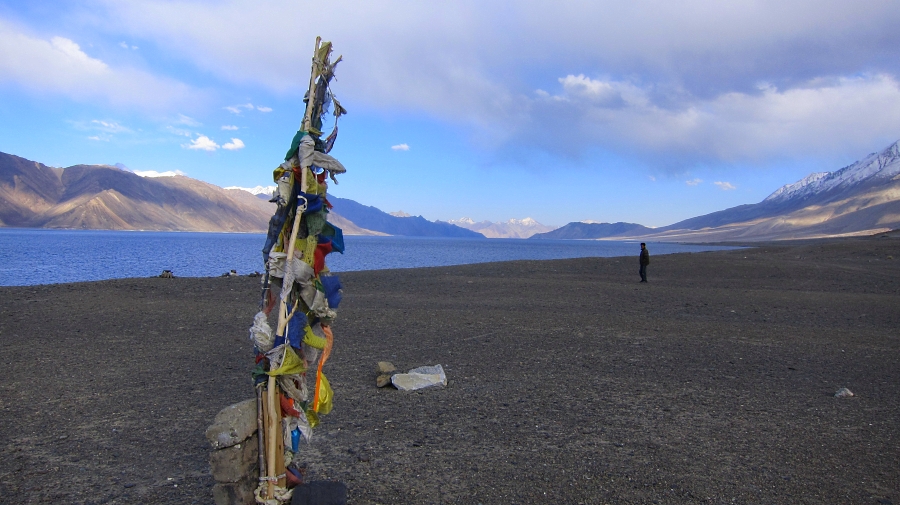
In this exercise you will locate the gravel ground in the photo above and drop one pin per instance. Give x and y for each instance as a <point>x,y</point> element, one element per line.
<point>569,382</point>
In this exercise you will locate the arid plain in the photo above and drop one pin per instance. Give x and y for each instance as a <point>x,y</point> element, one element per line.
<point>569,382</point>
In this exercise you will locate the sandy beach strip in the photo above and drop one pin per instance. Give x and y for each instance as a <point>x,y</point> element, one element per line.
<point>569,382</point>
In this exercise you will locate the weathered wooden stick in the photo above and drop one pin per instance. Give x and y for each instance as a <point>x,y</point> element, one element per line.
<point>279,452</point>
<point>274,431</point>
<point>260,432</point>
<point>311,94</point>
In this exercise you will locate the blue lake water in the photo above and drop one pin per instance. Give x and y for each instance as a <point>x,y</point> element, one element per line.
<point>29,256</point>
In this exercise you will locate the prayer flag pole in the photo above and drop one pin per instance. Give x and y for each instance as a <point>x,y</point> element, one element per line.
<point>295,252</point>
<point>273,429</point>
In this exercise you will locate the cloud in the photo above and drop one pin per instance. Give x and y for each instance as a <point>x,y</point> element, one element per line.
<point>99,138</point>
<point>201,143</point>
<point>58,66</point>
<point>229,127</point>
<point>234,145</point>
<point>687,72</point>
<point>154,173</point>
<point>179,131</point>
<point>693,182</point>
<point>187,121</point>
<point>733,126</point>
<point>400,147</point>
<point>108,126</point>
<point>238,109</point>
<point>125,45</point>
<point>725,186</point>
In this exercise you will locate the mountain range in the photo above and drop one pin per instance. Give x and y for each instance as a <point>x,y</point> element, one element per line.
<point>862,198</point>
<point>580,230</point>
<point>35,195</point>
<point>514,228</point>
<point>110,197</point>
<point>371,218</point>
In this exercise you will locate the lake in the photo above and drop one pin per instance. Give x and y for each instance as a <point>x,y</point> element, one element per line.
<point>38,256</point>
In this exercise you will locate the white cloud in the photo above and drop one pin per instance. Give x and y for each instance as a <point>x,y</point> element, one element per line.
<point>201,143</point>
<point>99,138</point>
<point>179,131</point>
<point>188,121</point>
<point>229,127</point>
<point>684,73</point>
<point>58,66</point>
<point>154,173</point>
<point>237,109</point>
<point>732,126</point>
<point>108,126</point>
<point>234,145</point>
<point>725,186</point>
<point>400,147</point>
<point>693,182</point>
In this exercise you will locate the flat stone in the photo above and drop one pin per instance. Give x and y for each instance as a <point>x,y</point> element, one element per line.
<point>234,463</point>
<point>320,492</point>
<point>385,367</point>
<point>236,493</point>
<point>843,393</point>
<point>233,425</point>
<point>420,378</point>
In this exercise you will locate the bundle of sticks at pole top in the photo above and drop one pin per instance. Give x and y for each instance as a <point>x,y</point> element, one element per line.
<point>306,295</point>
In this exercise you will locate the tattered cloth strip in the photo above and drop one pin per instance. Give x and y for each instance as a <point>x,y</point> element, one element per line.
<point>309,157</point>
<point>261,333</point>
<point>294,385</point>
<point>306,155</point>
<point>284,361</point>
<point>322,400</point>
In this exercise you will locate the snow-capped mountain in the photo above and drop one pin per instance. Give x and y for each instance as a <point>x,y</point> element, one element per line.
<point>514,228</point>
<point>860,199</point>
<point>258,190</point>
<point>882,166</point>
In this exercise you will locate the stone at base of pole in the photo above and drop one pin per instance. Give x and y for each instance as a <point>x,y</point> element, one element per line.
<point>320,492</point>
<point>235,493</point>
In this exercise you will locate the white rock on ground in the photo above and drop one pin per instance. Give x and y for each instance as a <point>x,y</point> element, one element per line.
<point>420,378</point>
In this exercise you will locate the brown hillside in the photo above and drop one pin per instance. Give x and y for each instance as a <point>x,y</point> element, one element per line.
<point>104,197</point>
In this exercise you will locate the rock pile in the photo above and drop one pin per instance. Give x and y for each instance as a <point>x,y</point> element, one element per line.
<point>235,456</point>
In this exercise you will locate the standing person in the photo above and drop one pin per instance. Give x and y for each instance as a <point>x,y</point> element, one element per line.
<point>645,260</point>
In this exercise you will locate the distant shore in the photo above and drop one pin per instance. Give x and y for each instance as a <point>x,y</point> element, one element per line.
<point>569,382</point>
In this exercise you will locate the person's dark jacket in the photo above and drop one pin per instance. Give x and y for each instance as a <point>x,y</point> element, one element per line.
<point>645,257</point>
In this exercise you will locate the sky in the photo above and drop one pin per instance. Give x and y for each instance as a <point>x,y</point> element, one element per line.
<point>643,111</point>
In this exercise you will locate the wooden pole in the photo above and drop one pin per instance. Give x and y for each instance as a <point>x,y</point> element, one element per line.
<point>279,450</point>
<point>271,433</point>
<point>311,94</point>
<point>260,432</point>
<point>273,428</point>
